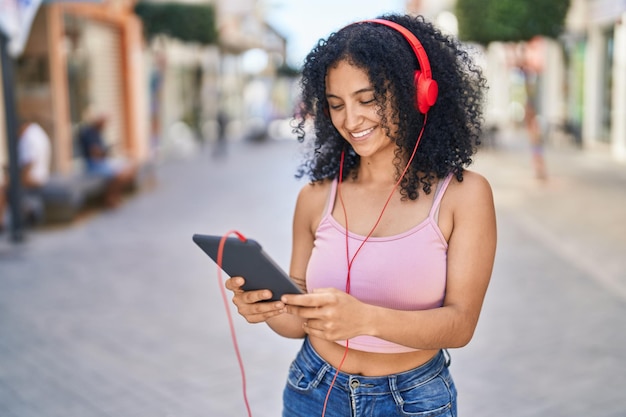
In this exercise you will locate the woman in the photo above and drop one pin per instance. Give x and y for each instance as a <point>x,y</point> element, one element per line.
<point>393,240</point>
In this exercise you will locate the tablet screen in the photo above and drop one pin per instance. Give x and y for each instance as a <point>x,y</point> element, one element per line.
<point>248,260</point>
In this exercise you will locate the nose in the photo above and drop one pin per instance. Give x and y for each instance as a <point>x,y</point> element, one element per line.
<point>353,117</point>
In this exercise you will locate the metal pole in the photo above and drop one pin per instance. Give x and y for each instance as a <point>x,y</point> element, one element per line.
<point>15,187</point>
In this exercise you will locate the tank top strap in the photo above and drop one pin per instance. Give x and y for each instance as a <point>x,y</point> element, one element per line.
<point>442,186</point>
<point>331,198</point>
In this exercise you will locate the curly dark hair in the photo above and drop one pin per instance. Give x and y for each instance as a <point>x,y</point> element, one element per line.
<point>453,127</point>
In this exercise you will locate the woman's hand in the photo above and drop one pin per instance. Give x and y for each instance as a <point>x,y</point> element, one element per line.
<point>253,305</point>
<point>329,313</point>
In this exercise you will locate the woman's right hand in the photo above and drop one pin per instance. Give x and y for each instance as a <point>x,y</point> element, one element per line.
<point>253,305</point>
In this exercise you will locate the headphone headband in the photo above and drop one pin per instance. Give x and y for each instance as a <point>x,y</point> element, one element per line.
<point>415,44</point>
<point>426,88</point>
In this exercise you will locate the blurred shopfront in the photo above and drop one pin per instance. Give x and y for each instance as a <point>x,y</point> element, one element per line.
<point>82,58</point>
<point>595,49</point>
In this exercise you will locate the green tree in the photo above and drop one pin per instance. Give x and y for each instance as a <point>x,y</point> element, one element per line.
<point>186,22</point>
<point>518,22</point>
<point>485,21</point>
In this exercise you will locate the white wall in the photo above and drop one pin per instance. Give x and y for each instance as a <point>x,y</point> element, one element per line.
<point>594,60</point>
<point>618,116</point>
<point>498,95</point>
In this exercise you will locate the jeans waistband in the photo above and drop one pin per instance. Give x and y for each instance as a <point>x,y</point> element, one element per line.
<point>368,384</point>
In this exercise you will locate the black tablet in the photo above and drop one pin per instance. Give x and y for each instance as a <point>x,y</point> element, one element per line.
<point>247,259</point>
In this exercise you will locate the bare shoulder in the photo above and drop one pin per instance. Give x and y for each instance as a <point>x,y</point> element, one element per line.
<point>311,203</point>
<point>473,188</point>
<point>312,195</point>
<point>469,200</point>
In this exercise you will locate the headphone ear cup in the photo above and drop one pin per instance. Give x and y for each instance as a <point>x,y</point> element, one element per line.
<point>426,90</point>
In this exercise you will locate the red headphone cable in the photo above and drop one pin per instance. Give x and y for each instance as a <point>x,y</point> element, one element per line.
<point>220,254</point>
<point>351,260</point>
<point>380,216</point>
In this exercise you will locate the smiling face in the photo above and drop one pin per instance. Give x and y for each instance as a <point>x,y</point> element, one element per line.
<point>354,111</point>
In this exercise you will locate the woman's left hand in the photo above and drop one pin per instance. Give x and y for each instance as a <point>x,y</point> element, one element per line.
<point>329,313</point>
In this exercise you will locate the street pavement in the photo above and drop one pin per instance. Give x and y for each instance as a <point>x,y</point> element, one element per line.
<point>120,314</point>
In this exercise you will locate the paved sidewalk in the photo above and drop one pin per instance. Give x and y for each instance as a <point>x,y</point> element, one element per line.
<point>580,211</point>
<point>121,315</point>
<point>551,334</point>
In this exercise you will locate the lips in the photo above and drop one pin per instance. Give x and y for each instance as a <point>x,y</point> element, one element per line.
<point>362,134</point>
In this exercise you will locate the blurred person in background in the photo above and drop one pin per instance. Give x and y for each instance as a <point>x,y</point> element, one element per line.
<point>119,173</point>
<point>222,123</point>
<point>536,143</point>
<point>34,156</point>
<point>393,243</point>
<point>157,80</point>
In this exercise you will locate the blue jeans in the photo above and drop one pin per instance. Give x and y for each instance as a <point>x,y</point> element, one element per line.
<point>426,391</point>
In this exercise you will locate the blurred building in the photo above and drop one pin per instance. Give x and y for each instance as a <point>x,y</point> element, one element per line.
<point>86,57</point>
<point>596,43</point>
<point>83,57</point>
<point>233,82</point>
<point>581,79</point>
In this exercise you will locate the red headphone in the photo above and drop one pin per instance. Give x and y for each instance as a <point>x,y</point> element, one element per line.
<point>426,89</point>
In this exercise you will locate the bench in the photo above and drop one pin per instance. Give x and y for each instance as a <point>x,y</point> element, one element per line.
<point>65,195</point>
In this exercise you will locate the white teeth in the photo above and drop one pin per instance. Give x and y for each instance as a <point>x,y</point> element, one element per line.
<point>363,133</point>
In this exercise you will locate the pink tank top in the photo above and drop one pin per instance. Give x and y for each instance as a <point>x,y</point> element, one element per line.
<point>403,272</point>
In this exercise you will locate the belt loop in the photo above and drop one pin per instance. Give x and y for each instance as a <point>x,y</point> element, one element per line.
<point>393,386</point>
<point>448,358</point>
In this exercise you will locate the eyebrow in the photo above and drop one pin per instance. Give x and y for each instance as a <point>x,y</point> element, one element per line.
<point>356,93</point>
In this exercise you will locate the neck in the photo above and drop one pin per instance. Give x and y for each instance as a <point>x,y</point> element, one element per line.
<point>378,169</point>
